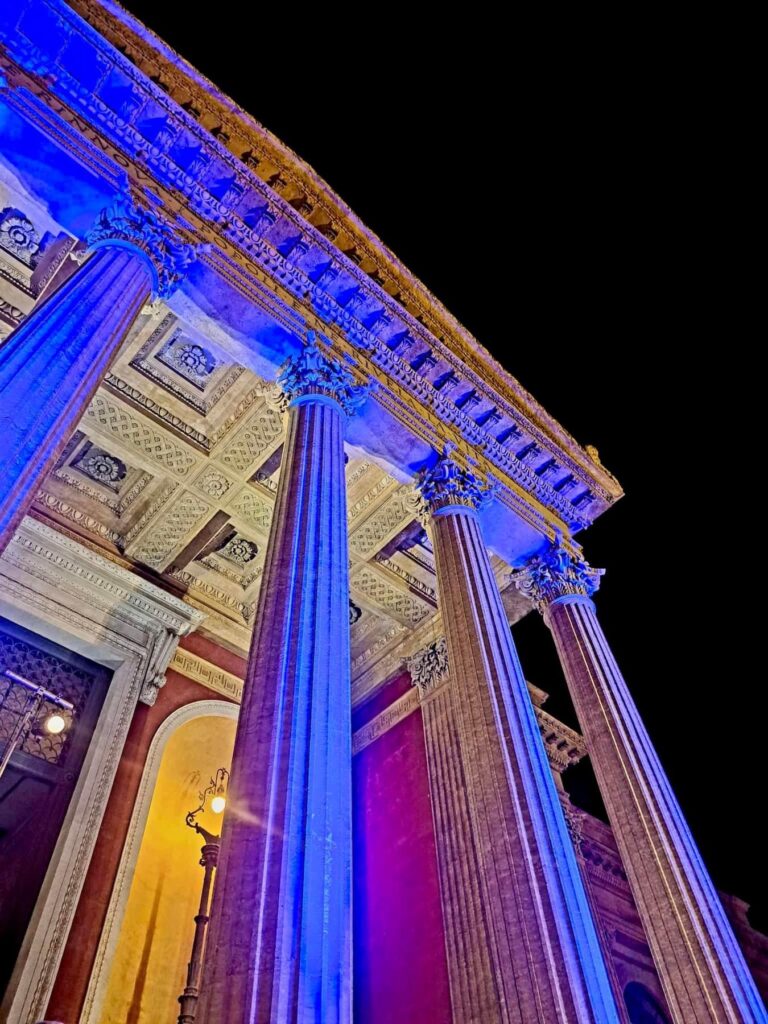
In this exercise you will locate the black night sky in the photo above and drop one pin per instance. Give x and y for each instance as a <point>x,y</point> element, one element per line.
<point>583,215</point>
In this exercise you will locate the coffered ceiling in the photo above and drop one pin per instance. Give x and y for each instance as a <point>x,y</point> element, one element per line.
<point>174,468</point>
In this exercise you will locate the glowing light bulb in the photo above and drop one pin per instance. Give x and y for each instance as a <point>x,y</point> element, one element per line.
<point>218,804</point>
<point>55,724</point>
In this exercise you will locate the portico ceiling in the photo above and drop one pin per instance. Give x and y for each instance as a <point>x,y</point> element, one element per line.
<point>174,466</point>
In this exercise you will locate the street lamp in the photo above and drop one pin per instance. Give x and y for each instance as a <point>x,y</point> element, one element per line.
<point>34,698</point>
<point>217,791</point>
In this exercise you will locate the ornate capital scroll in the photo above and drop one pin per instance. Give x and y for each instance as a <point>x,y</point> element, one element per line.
<point>556,574</point>
<point>166,642</point>
<point>429,667</point>
<point>128,223</point>
<point>447,483</point>
<point>312,372</point>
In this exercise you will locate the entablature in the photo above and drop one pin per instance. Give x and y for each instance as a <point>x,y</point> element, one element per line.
<point>153,133</point>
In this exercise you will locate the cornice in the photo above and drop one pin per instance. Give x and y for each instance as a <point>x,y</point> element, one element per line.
<point>311,199</point>
<point>95,576</point>
<point>240,250</point>
<point>309,196</point>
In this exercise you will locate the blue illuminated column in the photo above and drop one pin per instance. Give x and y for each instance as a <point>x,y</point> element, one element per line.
<point>281,940</point>
<point>701,967</point>
<point>51,365</point>
<point>546,957</point>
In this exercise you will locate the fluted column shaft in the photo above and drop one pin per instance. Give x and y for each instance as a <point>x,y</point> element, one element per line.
<point>547,962</point>
<point>280,943</point>
<point>468,936</point>
<point>701,967</point>
<point>51,365</point>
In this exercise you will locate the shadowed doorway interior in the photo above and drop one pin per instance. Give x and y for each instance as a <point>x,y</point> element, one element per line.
<point>39,781</point>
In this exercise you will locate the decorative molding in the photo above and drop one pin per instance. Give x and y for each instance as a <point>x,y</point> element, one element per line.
<point>363,503</point>
<point>385,721</point>
<point>413,582</point>
<point>207,674</point>
<point>51,503</point>
<point>395,631</point>
<point>158,413</point>
<point>148,515</point>
<point>55,586</point>
<point>200,398</point>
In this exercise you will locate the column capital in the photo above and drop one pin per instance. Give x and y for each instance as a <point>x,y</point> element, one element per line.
<point>556,574</point>
<point>429,667</point>
<point>128,223</point>
<point>447,486</point>
<point>313,373</point>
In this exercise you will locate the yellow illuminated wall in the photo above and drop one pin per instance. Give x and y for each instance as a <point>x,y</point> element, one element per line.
<point>149,967</point>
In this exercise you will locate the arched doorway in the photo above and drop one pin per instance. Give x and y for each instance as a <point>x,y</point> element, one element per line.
<point>146,946</point>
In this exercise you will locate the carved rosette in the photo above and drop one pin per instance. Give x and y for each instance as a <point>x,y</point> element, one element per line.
<point>314,373</point>
<point>556,574</point>
<point>429,667</point>
<point>449,484</point>
<point>128,223</point>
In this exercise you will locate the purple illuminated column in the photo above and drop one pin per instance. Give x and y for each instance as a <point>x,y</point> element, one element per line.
<point>280,946</point>
<point>51,365</point>
<point>701,967</point>
<point>545,955</point>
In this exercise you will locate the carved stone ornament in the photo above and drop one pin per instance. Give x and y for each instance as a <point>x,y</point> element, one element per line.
<point>101,467</point>
<point>429,666</point>
<point>556,574</point>
<point>314,373</point>
<point>134,225</point>
<point>448,483</point>
<point>19,237</point>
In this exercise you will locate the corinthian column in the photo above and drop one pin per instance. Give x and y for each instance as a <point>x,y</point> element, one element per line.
<point>702,970</point>
<point>530,906</point>
<point>51,365</point>
<point>280,947</point>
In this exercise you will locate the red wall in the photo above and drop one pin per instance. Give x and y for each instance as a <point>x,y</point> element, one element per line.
<point>401,975</point>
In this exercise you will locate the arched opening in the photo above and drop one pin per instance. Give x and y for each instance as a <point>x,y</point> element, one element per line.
<point>642,1005</point>
<point>147,968</point>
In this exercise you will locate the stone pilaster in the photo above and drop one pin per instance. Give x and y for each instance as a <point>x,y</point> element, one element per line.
<point>51,365</point>
<point>702,970</point>
<point>534,953</point>
<point>280,944</point>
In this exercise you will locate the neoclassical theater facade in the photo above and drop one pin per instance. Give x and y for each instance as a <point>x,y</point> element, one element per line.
<point>268,514</point>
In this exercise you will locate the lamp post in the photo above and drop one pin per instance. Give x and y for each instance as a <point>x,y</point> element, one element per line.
<point>35,697</point>
<point>217,791</point>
